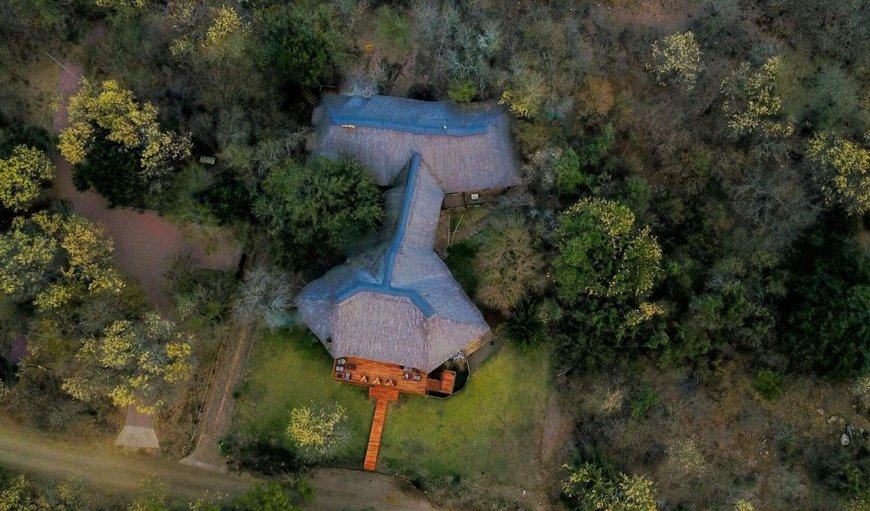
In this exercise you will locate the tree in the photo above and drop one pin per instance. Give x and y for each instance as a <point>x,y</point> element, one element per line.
<point>56,260</point>
<point>842,169</point>
<point>318,431</point>
<point>677,57</point>
<point>753,104</point>
<point>108,113</point>
<point>592,488</point>
<point>825,325</point>
<point>266,295</point>
<point>301,43</point>
<point>570,178</point>
<point>317,207</point>
<point>603,255</point>
<point>131,363</point>
<point>22,176</point>
<point>508,264</point>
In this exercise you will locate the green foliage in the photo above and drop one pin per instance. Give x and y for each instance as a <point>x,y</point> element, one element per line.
<point>270,496</point>
<point>131,364</point>
<point>107,127</point>
<point>302,43</point>
<point>842,169</point>
<point>317,207</point>
<point>393,28</point>
<point>524,327</point>
<point>570,178</point>
<point>22,176</point>
<point>56,261</point>
<point>592,488</point>
<point>768,384</point>
<point>462,91</point>
<point>825,324</point>
<point>602,254</point>
<point>645,399</point>
<point>460,261</point>
<point>21,493</point>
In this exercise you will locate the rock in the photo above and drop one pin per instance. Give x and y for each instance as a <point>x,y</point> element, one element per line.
<point>844,440</point>
<point>832,419</point>
<point>850,430</point>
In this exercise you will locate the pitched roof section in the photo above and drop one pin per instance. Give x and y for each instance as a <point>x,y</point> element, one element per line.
<point>465,148</point>
<point>397,302</point>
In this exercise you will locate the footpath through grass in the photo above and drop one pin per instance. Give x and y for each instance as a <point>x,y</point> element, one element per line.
<point>490,430</point>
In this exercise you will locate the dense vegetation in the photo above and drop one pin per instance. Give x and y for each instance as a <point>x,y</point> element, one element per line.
<point>696,196</point>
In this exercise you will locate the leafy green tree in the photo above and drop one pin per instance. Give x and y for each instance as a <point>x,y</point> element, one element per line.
<point>592,488</point>
<point>111,114</point>
<point>301,43</point>
<point>318,207</point>
<point>570,178</point>
<point>842,169</point>
<point>508,264</point>
<point>602,254</point>
<point>22,176</point>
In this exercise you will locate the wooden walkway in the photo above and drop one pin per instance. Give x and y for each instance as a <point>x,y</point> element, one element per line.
<point>383,395</point>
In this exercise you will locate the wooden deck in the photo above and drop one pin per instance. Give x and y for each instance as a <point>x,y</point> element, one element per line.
<point>383,396</point>
<point>373,374</point>
<point>370,373</point>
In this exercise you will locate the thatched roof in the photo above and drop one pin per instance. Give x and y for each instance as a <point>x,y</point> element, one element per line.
<point>397,302</point>
<point>466,149</point>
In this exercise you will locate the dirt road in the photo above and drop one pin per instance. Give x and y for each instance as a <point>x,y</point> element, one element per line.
<point>114,471</point>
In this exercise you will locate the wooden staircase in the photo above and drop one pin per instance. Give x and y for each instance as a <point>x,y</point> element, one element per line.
<point>383,395</point>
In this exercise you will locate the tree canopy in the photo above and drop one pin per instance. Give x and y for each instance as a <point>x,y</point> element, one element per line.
<point>603,254</point>
<point>22,176</point>
<point>318,206</point>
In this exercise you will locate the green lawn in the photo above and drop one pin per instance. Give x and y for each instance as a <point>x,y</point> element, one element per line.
<point>488,430</point>
<point>289,369</point>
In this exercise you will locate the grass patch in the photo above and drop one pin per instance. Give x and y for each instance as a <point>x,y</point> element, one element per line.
<point>489,430</point>
<point>289,369</point>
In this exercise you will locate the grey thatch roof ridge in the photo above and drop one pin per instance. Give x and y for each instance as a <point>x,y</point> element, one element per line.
<point>406,115</point>
<point>459,163</point>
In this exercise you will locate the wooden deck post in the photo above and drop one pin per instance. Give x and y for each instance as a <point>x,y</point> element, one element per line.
<point>383,395</point>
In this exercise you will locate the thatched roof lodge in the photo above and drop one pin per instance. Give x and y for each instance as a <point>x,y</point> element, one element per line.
<point>397,303</point>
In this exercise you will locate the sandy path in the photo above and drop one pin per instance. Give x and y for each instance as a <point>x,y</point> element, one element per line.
<point>145,243</point>
<point>217,414</point>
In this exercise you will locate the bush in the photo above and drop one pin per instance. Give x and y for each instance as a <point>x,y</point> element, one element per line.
<point>677,57</point>
<point>591,487</point>
<point>524,327</point>
<point>318,431</point>
<point>508,264</point>
<point>768,384</point>
<point>462,92</point>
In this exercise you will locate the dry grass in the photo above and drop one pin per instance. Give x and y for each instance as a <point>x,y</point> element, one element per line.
<point>710,430</point>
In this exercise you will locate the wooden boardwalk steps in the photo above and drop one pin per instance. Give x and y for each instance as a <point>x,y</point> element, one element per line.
<point>383,395</point>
